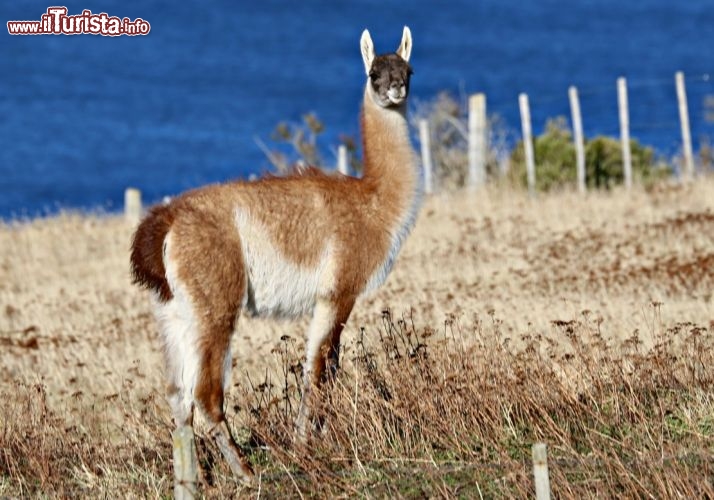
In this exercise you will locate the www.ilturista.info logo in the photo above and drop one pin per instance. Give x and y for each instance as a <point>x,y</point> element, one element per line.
<point>56,22</point>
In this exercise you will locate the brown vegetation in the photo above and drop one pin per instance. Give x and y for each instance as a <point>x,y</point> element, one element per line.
<point>586,323</point>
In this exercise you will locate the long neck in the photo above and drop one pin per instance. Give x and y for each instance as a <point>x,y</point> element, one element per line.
<point>390,165</point>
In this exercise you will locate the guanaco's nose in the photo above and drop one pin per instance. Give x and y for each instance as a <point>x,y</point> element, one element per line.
<point>396,84</point>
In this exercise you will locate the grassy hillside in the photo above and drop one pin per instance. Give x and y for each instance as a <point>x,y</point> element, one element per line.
<point>584,322</point>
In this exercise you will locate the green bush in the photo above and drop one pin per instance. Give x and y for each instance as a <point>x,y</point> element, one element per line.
<point>554,158</point>
<point>603,163</point>
<point>556,165</point>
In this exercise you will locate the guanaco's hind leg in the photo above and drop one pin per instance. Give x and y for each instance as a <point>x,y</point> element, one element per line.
<point>214,296</point>
<point>322,355</point>
<point>200,373</point>
<point>213,379</point>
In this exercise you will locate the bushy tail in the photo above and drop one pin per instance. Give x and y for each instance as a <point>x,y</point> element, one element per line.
<point>147,262</point>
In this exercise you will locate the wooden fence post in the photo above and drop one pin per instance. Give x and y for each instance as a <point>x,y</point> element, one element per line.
<point>624,130</point>
<point>578,136</point>
<point>527,141</point>
<point>684,120</point>
<point>477,140</point>
<point>342,163</point>
<point>132,205</point>
<point>540,471</point>
<point>425,141</point>
<point>185,466</point>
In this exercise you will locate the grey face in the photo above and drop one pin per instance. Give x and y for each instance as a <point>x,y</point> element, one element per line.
<point>389,78</point>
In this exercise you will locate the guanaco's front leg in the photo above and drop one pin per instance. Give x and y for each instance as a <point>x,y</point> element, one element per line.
<point>323,345</point>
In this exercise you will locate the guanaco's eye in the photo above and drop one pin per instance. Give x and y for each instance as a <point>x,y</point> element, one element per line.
<point>373,75</point>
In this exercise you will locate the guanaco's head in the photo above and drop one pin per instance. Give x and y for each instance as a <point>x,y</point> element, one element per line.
<point>388,74</point>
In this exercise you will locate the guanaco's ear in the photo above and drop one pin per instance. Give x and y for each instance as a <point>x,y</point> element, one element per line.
<point>405,47</point>
<point>367,48</point>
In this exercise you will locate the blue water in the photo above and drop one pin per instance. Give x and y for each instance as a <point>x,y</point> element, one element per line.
<point>83,117</point>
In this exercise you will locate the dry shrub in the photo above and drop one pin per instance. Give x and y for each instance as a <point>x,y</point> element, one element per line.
<point>448,125</point>
<point>423,414</point>
<point>76,454</point>
<point>416,413</point>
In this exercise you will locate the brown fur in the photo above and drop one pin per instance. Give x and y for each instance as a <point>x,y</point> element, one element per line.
<point>300,212</point>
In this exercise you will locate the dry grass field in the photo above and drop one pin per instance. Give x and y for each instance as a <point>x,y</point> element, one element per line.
<point>583,322</point>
